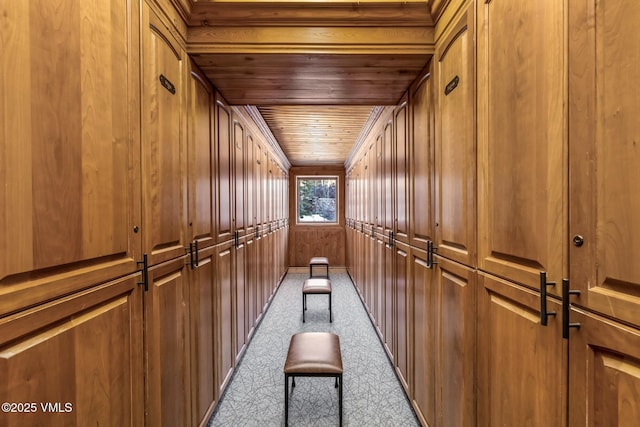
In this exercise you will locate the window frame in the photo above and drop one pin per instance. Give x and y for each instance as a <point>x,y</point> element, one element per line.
<point>337,198</point>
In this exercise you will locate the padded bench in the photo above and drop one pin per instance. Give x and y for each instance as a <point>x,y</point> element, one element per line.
<point>315,286</point>
<point>319,261</point>
<point>313,354</point>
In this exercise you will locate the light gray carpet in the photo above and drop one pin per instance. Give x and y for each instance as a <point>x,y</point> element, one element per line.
<point>372,394</point>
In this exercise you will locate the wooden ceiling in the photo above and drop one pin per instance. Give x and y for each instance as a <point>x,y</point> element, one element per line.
<point>314,70</point>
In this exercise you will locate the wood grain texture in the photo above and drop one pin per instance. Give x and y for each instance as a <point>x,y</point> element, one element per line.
<point>67,207</point>
<point>164,146</point>
<point>455,144</point>
<point>523,164</point>
<point>604,154</point>
<point>84,350</point>
<point>534,381</point>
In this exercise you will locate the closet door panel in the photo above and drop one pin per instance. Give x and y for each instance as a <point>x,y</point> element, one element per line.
<point>604,372</point>
<point>520,361</point>
<point>163,142</point>
<point>223,171</point>
<point>203,323</point>
<point>421,157</point>
<point>167,344</point>
<point>455,147</point>
<point>425,324</point>
<point>605,154</point>
<point>81,353</point>
<point>456,343</point>
<point>69,148</point>
<point>200,152</point>
<point>522,207</point>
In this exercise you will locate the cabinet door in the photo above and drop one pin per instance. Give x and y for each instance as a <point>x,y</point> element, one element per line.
<point>81,353</point>
<point>421,176</point>
<point>604,372</point>
<point>202,319</point>
<point>225,350</point>
<point>238,222</point>
<point>401,171</point>
<point>522,365</point>
<point>403,313</point>
<point>605,155</point>
<point>69,108</point>
<point>239,296</point>
<point>455,145</point>
<point>223,171</point>
<point>200,159</point>
<point>522,207</point>
<point>389,185</point>
<point>167,353</point>
<point>456,288</point>
<point>425,349</point>
<point>163,146</point>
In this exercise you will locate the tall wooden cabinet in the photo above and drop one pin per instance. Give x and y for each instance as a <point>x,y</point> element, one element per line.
<point>125,292</point>
<point>604,195</point>
<point>523,306</point>
<point>71,328</point>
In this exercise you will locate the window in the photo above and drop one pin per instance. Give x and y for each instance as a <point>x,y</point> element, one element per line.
<point>317,199</point>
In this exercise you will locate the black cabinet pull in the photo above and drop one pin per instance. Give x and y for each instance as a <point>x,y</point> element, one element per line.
<point>544,314</point>
<point>566,325</point>
<point>145,272</point>
<point>196,252</point>
<point>191,256</point>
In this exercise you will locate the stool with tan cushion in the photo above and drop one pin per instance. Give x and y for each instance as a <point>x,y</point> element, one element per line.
<point>315,286</point>
<point>319,261</point>
<point>313,354</point>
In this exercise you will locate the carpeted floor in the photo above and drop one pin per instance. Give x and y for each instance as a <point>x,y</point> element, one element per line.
<point>372,394</point>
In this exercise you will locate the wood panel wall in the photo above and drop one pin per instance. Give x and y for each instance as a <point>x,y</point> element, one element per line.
<point>309,240</point>
<point>128,287</point>
<point>523,309</point>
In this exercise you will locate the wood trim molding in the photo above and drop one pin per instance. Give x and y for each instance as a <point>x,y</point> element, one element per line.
<point>364,133</point>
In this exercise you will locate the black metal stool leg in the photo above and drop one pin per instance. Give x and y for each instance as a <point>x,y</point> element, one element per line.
<point>330,317</point>
<point>286,400</point>
<point>340,399</point>
<point>304,305</point>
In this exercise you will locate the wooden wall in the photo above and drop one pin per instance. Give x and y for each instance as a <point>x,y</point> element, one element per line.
<point>514,300</point>
<point>309,240</point>
<point>143,220</point>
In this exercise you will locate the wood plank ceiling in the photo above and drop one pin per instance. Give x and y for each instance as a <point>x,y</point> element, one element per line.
<point>314,70</point>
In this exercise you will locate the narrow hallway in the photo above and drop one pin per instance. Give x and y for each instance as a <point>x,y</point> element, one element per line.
<point>372,394</point>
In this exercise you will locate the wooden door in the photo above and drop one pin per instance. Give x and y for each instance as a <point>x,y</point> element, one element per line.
<point>167,344</point>
<point>421,157</point>
<point>403,313</point>
<point>522,364</point>
<point>203,323</point>
<point>224,284</point>
<point>604,198</point>
<point>522,209</point>
<point>69,148</point>
<point>163,142</point>
<point>251,279</point>
<point>238,176</point>
<point>604,372</point>
<point>389,298</point>
<point>456,343</point>
<point>604,154</point>
<point>81,353</point>
<point>425,336</point>
<point>240,296</point>
<point>379,182</point>
<point>223,171</point>
<point>455,144</point>
<point>250,193</point>
<point>401,170</point>
<point>200,150</point>
<point>389,185</point>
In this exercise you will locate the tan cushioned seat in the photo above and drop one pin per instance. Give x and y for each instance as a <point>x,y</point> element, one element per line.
<point>316,286</point>
<point>319,260</point>
<point>314,353</point>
